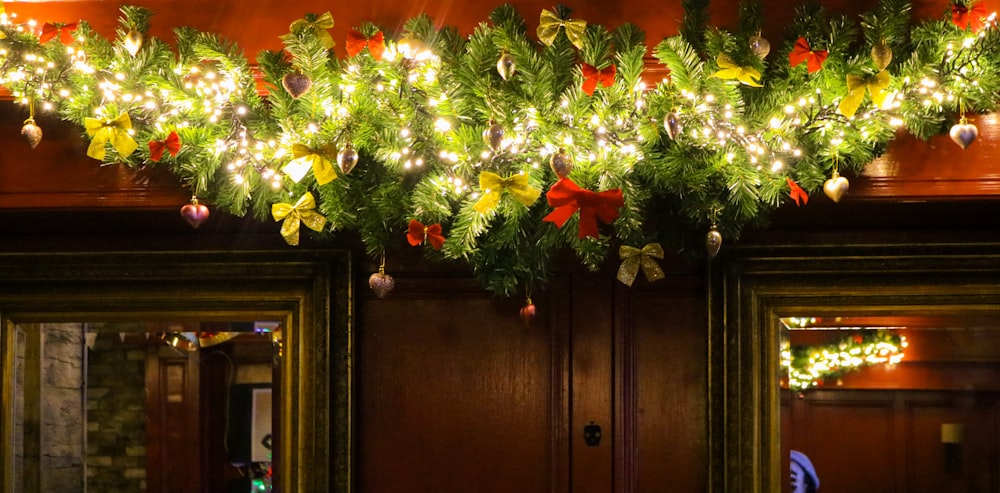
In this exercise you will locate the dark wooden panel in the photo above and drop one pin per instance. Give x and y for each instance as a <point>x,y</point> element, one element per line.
<point>917,169</point>
<point>850,442</point>
<point>951,468</point>
<point>891,440</point>
<point>58,173</point>
<point>671,368</point>
<point>455,393</point>
<point>592,372</point>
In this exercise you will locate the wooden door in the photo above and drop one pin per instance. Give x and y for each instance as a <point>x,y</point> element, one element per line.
<point>172,427</point>
<point>456,393</point>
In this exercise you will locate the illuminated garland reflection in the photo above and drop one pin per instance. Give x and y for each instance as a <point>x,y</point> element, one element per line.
<point>813,366</point>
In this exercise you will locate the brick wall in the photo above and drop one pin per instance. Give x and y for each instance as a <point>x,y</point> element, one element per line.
<point>116,410</point>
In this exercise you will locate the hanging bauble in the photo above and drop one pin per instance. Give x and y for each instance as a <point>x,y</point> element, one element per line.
<point>493,135</point>
<point>194,213</point>
<point>561,164</point>
<point>759,46</point>
<point>347,158</point>
<point>836,187</point>
<point>506,65</point>
<point>381,283</point>
<point>881,55</point>
<point>713,241</point>
<point>672,125</point>
<point>133,41</point>
<point>296,83</point>
<point>528,312</point>
<point>963,133</point>
<point>31,132</point>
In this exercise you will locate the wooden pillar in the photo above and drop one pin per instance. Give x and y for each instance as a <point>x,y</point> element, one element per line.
<point>31,410</point>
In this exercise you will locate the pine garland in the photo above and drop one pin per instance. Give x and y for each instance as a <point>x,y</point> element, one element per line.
<point>429,112</point>
<point>814,366</point>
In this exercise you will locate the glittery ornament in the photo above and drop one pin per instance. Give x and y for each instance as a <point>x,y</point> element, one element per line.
<point>133,41</point>
<point>672,125</point>
<point>31,132</point>
<point>561,164</point>
<point>528,312</point>
<point>493,135</point>
<point>963,133</point>
<point>347,158</point>
<point>836,187</point>
<point>506,65</point>
<point>194,213</point>
<point>759,46</point>
<point>881,55</point>
<point>713,241</point>
<point>381,283</point>
<point>296,83</point>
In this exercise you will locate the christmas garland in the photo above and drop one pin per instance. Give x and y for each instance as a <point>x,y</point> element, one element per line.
<point>505,148</point>
<point>813,366</point>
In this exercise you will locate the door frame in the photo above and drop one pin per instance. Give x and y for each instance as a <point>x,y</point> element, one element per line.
<point>308,291</point>
<point>751,287</point>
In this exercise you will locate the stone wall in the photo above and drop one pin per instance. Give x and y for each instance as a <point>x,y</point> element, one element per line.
<point>61,410</point>
<point>116,412</point>
<point>48,408</point>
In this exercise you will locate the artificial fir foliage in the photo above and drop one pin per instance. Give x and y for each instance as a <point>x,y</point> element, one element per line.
<point>470,134</point>
<point>814,366</point>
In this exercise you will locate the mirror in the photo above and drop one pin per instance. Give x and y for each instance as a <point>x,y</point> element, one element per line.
<point>907,424</point>
<point>145,406</point>
<point>908,393</point>
<point>133,305</point>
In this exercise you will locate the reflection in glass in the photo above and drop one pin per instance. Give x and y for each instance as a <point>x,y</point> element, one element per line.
<point>127,407</point>
<point>883,403</point>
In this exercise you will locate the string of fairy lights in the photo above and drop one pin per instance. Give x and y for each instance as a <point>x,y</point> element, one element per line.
<point>214,93</point>
<point>217,91</point>
<point>809,366</point>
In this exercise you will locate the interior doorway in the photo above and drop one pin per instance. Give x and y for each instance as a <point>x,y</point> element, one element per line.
<point>306,293</point>
<point>154,407</point>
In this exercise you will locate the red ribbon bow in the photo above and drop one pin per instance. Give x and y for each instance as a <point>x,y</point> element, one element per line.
<point>418,233</point>
<point>796,192</point>
<point>357,42</point>
<point>964,17</point>
<point>592,76</point>
<point>64,31</point>
<point>171,144</point>
<point>802,53</point>
<point>567,198</point>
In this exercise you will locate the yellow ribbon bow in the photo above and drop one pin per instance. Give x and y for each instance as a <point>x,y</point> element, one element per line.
<point>549,24</point>
<point>115,131</point>
<point>633,258</point>
<point>293,215</point>
<point>730,70</point>
<point>493,185</point>
<point>319,28</point>
<point>857,85</point>
<point>305,158</point>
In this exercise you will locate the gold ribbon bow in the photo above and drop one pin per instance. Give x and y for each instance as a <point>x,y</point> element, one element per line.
<point>730,70</point>
<point>549,24</point>
<point>115,131</point>
<point>318,27</point>
<point>634,258</point>
<point>305,158</point>
<point>493,185</point>
<point>857,85</point>
<point>293,215</point>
